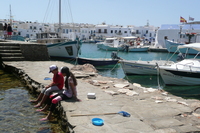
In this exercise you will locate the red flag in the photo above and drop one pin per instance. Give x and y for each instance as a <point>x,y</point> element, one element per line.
<point>182,20</point>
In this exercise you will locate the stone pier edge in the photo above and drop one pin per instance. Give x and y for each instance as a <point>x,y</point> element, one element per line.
<point>34,88</point>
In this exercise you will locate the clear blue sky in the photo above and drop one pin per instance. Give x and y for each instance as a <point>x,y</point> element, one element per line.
<point>116,12</point>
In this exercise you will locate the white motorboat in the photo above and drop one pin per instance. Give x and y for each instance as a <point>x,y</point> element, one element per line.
<point>131,67</point>
<point>138,49</point>
<point>185,72</point>
<point>133,44</point>
<point>128,44</point>
<point>110,44</point>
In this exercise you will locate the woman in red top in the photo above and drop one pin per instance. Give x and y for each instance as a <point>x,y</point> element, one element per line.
<point>56,85</point>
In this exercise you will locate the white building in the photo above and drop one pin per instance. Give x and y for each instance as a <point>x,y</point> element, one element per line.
<point>83,31</point>
<point>87,31</point>
<point>29,29</point>
<point>145,32</point>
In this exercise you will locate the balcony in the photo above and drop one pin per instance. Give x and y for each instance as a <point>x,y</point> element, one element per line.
<point>101,32</point>
<point>118,33</point>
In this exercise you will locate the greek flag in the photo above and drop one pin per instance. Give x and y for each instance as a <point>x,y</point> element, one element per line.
<point>191,19</point>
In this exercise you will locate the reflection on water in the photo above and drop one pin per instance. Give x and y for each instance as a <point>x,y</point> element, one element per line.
<point>145,81</point>
<point>17,114</point>
<point>109,71</point>
<point>184,91</point>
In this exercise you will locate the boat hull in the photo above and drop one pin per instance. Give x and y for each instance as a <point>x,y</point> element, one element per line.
<point>172,47</point>
<point>139,49</point>
<point>141,67</point>
<point>174,77</point>
<point>97,62</point>
<point>63,50</point>
<point>109,48</point>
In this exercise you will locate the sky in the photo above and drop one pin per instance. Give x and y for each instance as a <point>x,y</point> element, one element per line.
<point>112,12</point>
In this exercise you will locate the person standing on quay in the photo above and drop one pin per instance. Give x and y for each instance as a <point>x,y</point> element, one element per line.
<point>56,85</point>
<point>5,30</point>
<point>9,31</point>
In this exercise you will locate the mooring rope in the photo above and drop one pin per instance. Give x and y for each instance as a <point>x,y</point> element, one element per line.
<point>158,73</point>
<point>114,66</point>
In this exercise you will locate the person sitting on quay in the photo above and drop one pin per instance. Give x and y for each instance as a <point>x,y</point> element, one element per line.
<point>56,85</point>
<point>68,92</point>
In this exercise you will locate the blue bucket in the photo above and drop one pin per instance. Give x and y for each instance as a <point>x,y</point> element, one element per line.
<point>97,121</point>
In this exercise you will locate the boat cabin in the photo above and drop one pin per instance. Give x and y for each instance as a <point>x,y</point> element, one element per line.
<point>187,38</point>
<point>50,37</point>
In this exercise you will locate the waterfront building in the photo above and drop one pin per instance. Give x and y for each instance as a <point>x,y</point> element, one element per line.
<point>146,32</point>
<point>87,32</point>
<point>29,29</point>
<point>83,31</point>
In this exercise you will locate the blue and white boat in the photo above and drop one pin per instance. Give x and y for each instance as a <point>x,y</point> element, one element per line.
<point>138,48</point>
<point>97,61</point>
<point>139,67</point>
<point>59,47</point>
<point>186,39</point>
<point>110,44</point>
<point>128,44</point>
<point>114,60</point>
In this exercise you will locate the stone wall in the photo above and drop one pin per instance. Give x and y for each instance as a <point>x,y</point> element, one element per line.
<point>34,52</point>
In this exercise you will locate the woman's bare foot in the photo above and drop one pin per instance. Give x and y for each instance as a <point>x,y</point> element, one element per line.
<point>41,110</point>
<point>37,106</point>
<point>33,101</point>
<point>44,119</point>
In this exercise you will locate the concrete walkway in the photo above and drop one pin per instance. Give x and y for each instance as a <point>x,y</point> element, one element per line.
<point>152,111</point>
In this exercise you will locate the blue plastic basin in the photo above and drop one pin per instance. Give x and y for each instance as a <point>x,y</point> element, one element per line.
<point>97,121</point>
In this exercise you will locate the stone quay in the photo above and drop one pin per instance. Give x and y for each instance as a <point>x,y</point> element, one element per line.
<point>151,110</point>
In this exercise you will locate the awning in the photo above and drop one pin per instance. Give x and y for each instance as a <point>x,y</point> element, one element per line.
<point>195,46</point>
<point>130,37</point>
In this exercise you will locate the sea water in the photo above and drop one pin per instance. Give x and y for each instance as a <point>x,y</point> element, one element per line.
<point>17,114</point>
<point>90,50</point>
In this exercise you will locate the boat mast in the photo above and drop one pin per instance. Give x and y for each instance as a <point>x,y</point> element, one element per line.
<point>59,18</point>
<point>10,17</point>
